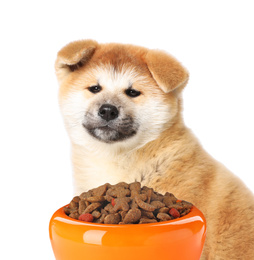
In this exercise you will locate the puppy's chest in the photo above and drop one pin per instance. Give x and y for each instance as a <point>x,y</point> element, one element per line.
<point>123,169</point>
<point>99,172</point>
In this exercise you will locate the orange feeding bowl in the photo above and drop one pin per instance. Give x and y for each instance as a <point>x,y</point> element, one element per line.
<point>180,239</point>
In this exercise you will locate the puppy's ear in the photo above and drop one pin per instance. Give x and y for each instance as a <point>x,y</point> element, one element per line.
<point>166,70</point>
<point>73,56</point>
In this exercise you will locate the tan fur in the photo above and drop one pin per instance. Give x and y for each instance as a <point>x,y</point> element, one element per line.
<point>166,156</point>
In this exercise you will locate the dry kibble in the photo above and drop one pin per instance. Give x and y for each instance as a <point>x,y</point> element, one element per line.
<point>73,205</point>
<point>125,203</point>
<point>149,194</point>
<point>144,205</point>
<point>92,207</point>
<point>96,214</point>
<point>112,218</point>
<point>123,214</point>
<point>74,215</point>
<point>118,192</point>
<point>143,196</point>
<point>67,211</point>
<point>164,210</point>
<point>122,204</point>
<point>133,204</point>
<point>185,212</point>
<point>122,184</point>
<point>108,198</point>
<point>157,196</point>
<point>147,220</point>
<point>109,208</point>
<point>134,193</point>
<point>82,206</point>
<point>101,219</point>
<point>95,199</point>
<point>76,199</point>
<point>100,191</point>
<point>135,186</point>
<point>186,204</point>
<point>147,214</point>
<point>132,216</point>
<point>157,204</point>
<point>171,196</point>
<point>178,206</point>
<point>163,216</point>
<point>86,195</point>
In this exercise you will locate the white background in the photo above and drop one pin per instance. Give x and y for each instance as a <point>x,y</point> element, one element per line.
<point>213,39</point>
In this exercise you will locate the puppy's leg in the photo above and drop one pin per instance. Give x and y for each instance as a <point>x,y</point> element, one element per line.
<point>230,233</point>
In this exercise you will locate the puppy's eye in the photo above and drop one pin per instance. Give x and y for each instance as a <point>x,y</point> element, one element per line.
<point>95,89</point>
<point>132,92</point>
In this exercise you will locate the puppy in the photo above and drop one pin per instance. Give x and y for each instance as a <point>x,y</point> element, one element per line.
<point>122,108</point>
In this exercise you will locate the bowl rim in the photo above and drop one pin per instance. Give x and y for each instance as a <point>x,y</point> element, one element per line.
<point>194,215</point>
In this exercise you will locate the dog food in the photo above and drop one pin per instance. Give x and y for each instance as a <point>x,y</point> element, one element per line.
<point>126,204</point>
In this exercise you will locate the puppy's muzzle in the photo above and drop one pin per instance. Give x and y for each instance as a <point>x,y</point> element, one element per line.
<point>109,124</point>
<point>108,112</point>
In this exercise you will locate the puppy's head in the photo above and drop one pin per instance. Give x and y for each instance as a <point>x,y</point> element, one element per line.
<point>119,96</point>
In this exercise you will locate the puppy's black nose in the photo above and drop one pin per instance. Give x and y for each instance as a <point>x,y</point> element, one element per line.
<point>108,112</point>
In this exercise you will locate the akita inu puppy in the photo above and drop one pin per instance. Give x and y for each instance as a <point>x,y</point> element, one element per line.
<point>122,108</point>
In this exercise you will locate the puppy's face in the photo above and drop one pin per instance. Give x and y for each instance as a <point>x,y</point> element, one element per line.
<point>114,100</point>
